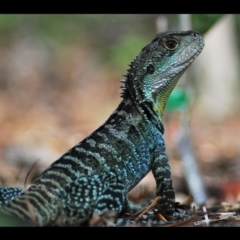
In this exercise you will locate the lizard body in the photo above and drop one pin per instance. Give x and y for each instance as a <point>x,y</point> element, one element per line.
<point>96,174</point>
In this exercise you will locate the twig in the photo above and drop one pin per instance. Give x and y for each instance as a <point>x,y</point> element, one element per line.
<point>235,221</point>
<point>181,223</point>
<point>31,211</point>
<point>28,173</point>
<point>147,208</point>
<point>29,205</point>
<point>216,217</point>
<point>161,217</point>
<point>206,216</point>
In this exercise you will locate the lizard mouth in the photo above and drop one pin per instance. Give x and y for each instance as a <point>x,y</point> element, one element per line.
<point>189,59</point>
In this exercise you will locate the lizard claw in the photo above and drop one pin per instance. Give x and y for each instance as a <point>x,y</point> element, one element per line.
<point>179,215</point>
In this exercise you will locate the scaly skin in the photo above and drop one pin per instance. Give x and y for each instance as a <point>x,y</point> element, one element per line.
<point>96,174</point>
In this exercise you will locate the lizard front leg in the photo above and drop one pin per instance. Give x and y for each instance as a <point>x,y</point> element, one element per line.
<point>162,174</point>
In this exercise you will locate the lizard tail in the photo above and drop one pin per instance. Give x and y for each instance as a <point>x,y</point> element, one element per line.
<point>7,194</point>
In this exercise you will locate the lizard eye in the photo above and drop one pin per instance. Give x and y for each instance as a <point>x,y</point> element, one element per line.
<point>171,44</point>
<point>150,69</point>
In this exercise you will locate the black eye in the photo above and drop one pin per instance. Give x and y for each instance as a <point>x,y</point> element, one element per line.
<point>150,69</point>
<point>171,44</point>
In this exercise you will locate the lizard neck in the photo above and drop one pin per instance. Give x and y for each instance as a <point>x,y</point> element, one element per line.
<point>150,113</point>
<point>159,99</point>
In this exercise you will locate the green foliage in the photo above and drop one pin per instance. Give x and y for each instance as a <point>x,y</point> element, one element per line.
<point>178,100</point>
<point>202,22</point>
<point>63,28</point>
<point>121,53</point>
<point>7,221</point>
<point>8,22</point>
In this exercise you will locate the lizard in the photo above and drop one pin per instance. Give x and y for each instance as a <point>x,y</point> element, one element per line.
<point>95,175</point>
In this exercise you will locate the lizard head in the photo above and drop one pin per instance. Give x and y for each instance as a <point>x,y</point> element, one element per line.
<point>155,71</point>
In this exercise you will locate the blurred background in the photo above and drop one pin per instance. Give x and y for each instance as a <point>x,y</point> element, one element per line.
<point>59,81</point>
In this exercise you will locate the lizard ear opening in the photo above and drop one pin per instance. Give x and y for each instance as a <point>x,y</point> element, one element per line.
<point>150,69</point>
